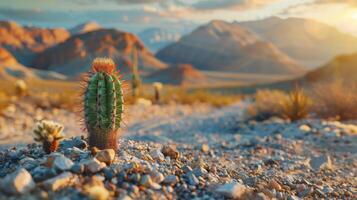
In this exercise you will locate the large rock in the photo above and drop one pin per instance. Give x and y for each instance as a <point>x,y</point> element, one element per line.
<point>60,181</point>
<point>18,182</point>
<point>94,165</point>
<point>107,156</point>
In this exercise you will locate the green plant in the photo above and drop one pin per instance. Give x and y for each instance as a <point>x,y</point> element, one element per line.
<point>49,133</point>
<point>296,106</point>
<point>103,104</point>
<point>135,81</point>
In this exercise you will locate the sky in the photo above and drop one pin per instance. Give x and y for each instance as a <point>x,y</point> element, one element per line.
<point>176,15</point>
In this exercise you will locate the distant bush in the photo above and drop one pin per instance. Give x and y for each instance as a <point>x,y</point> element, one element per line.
<point>268,103</point>
<point>297,105</point>
<point>335,100</point>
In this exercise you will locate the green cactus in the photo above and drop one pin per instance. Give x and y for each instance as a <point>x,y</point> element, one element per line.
<point>103,104</point>
<point>136,81</point>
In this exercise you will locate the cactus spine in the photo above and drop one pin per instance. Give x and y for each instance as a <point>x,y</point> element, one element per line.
<point>136,81</point>
<point>103,104</point>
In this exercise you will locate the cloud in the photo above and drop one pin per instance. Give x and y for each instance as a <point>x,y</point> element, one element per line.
<point>231,4</point>
<point>348,2</point>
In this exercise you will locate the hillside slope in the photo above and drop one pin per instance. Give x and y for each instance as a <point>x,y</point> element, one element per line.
<point>222,46</point>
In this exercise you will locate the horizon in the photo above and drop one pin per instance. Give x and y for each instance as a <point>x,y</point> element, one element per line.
<point>177,15</point>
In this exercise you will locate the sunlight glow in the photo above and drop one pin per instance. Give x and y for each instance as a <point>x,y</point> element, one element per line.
<point>354,16</point>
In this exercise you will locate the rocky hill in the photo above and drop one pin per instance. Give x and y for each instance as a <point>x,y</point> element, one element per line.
<point>10,69</point>
<point>309,42</point>
<point>341,68</point>
<point>75,55</point>
<point>222,46</point>
<point>85,27</point>
<point>181,74</point>
<point>25,42</point>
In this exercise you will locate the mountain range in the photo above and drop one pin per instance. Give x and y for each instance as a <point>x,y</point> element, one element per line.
<point>223,46</point>
<point>307,41</point>
<point>213,52</point>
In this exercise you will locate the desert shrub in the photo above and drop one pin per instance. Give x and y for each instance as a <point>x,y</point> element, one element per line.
<point>268,103</point>
<point>335,100</point>
<point>296,106</point>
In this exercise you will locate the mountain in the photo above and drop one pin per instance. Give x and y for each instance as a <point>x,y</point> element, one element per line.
<point>24,42</point>
<point>181,74</point>
<point>222,46</point>
<point>157,38</point>
<point>85,27</point>
<point>343,68</point>
<point>10,69</point>
<point>75,55</point>
<point>309,42</point>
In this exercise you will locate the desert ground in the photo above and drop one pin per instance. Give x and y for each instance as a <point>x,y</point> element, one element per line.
<point>182,151</point>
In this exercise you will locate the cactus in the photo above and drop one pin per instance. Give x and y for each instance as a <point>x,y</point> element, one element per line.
<point>20,88</point>
<point>49,133</point>
<point>103,104</point>
<point>136,81</point>
<point>157,88</point>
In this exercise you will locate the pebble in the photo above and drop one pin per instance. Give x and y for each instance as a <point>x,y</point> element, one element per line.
<point>62,163</point>
<point>93,165</point>
<point>321,162</point>
<point>199,171</point>
<point>170,151</point>
<point>192,179</point>
<point>63,180</point>
<point>157,155</point>
<point>171,180</point>
<point>205,148</point>
<point>146,181</point>
<point>157,177</point>
<point>275,185</point>
<point>305,128</point>
<point>107,156</point>
<point>232,190</point>
<point>18,182</point>
<point>77,168</point>
<point>98,193</point>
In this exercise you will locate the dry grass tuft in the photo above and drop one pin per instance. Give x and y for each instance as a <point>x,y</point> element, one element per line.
<point>296,106</point>
<point>335,100</point>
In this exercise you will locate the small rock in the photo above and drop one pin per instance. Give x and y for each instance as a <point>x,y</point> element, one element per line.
<point>321,162</point>
<point>75,142</point>
<point>62,163</point>
<point>107,156</point>
<point>63,180</point>
<point>98,193</point>
<point>305,128</point>
<point>146,181</point>
<point>157,177</point>
<point>192,179</point>
<point>171,180</point>
<point>232,190</point>
<point>108,173</point>
<point>28,163</point>
<point>274,185</point>
<point>157,155</point>
<point>261,196</point>
<point>77,168</point>
<point>18,182</point>
<point>205,148</point>
<point>199,171</point>
<point>93,165</point>
<point>42,173</point>
<point>125,197</point>
<point>170,152</point>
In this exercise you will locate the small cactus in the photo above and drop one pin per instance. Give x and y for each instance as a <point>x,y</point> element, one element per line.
<point>20,88</point>
<point>136,81</point>
<point>49,133</point>
<point>157,88</point>
<point>103,104</point>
